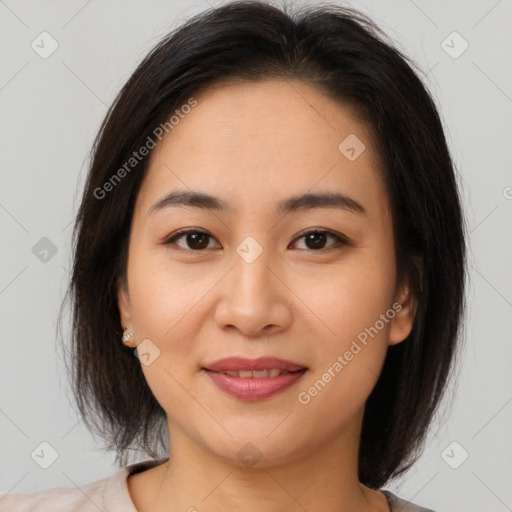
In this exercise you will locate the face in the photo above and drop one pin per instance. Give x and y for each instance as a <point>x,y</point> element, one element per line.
<point>313,284</point>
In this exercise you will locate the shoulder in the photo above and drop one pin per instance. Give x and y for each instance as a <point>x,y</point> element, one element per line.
<point>87,498</point>
<point>108,495</point>
<point>396,504</point>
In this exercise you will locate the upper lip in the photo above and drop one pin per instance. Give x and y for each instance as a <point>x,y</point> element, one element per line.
<point>262,363</point>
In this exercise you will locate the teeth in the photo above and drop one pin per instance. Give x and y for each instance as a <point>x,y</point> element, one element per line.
<point>261,374</point>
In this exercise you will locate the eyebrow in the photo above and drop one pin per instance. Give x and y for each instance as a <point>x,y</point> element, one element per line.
<point>292,204</point>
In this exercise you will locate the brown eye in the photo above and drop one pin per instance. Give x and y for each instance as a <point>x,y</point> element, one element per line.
<point>198,241</point>
<point>194,240</point>
<point>315,240</point>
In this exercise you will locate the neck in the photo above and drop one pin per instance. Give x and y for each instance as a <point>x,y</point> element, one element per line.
<point>323,479</point>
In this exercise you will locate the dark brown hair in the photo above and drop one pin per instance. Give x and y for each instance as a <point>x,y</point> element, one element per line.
<point>343,53</point>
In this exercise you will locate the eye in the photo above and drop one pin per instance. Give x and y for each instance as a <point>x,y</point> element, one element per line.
<point>315,239</point>
<point>198,241</point>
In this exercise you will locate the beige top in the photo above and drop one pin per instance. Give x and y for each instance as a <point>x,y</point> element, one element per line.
<point>112,495</point>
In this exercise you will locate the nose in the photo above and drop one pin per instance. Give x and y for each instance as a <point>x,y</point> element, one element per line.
<point>255,300</point>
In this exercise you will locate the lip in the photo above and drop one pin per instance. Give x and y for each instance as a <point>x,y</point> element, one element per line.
<point>250,388</point>
<point>242,363</point>
<point>253,388</point>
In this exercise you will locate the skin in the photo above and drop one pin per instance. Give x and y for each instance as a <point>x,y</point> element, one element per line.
<point>253,145</point>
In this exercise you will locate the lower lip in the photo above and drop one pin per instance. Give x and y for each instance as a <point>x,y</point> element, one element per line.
<point>252,388</point>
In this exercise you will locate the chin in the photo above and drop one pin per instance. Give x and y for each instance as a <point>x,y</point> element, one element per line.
<point>257,449</point>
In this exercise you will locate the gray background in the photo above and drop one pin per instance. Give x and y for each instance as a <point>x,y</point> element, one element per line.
<point>50,110</point>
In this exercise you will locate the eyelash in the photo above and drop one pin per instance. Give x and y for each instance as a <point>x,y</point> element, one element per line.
<point>340,240</point>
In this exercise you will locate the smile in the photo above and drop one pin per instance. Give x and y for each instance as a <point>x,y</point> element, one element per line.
<point>254,385</point>
<point>262,374</point>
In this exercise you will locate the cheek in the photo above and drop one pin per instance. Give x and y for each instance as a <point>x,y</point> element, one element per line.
<point>350,297</point>
<point>353,305</point>
<point>156,301</point>
<point>168,302</point>
<point>165,309</point>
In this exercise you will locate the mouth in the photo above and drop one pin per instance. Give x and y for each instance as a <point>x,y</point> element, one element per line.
<point>260,374</point>
<point>254,379</point>
<point>242,364</point>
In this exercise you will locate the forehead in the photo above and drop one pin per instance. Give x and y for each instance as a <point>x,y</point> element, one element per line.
<point>253,143</point>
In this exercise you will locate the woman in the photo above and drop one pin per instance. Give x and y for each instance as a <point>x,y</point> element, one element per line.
<point>271,219</point>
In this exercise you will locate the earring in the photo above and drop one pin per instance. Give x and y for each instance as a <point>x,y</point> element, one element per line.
<point>126,337</point>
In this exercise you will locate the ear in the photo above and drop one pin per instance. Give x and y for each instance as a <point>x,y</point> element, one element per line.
<point>124,305</point>
<point>402,323</point>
